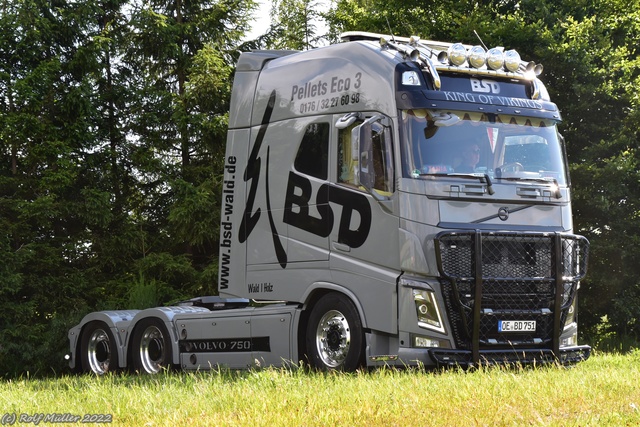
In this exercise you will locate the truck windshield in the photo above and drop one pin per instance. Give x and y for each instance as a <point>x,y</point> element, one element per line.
<point>505,147</point>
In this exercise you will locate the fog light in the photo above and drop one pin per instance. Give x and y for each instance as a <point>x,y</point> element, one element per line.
<point>512,60</point>
<point>495,58</point>
<point>425,342</point>
<point>477,56</point>
<point>457,54</point>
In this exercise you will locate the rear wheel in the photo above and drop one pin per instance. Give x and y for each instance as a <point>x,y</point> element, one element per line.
<point>98,349</point>
<point>335,339</point>
<point>151,347</point>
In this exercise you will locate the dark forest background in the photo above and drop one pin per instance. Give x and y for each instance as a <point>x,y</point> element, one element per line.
<point>113,123</point>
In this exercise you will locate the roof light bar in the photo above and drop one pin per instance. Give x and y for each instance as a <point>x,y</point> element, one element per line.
<point>512,60</point>
<point>457,57</point>
<point>477,57</point>
<point>495,58</point>
<point>457,54</point>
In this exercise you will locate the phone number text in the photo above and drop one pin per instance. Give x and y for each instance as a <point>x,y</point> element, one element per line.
<point>327,103</point>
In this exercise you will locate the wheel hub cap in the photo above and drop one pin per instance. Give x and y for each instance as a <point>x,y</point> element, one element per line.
<point>333,338</point>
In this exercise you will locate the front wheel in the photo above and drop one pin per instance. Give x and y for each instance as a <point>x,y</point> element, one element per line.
<point>151,347</point>
<point>98,349</point>
<point>334,339</point>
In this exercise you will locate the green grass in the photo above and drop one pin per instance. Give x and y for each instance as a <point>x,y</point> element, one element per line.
<point>603,391</point>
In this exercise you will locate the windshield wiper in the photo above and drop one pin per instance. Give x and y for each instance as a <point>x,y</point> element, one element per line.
<point>483,177</point>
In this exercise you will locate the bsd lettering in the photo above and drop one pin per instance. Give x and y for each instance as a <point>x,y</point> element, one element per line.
<point>296,210</point>
<point>484,86</point>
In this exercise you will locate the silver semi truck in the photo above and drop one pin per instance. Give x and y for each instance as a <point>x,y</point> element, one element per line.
<point>386,201</point>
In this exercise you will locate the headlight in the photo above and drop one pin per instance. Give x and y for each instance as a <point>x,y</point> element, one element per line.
<point>427,310</point>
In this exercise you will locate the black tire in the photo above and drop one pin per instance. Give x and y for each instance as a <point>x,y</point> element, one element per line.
<point>150,347</point>
<point>98,350</point>
<point>334,338</point>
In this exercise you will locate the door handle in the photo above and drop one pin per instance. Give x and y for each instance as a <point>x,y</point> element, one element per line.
<point>341,247</point>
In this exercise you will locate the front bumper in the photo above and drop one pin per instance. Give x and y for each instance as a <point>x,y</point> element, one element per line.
<point>464,358</point>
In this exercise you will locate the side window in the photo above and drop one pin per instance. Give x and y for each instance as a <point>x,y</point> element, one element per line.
<point>348,155</point>
<point>313,154</point>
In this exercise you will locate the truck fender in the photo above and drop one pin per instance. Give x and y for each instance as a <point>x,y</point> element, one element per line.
<point>116,320</point>
<point>308,297</point>
<point>166,315</point>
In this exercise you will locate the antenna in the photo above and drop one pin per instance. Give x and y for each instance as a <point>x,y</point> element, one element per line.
<point>393,39</point>
<point>481,42</point>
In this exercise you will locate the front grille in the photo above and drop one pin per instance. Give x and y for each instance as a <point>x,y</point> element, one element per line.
<point>514,276</point>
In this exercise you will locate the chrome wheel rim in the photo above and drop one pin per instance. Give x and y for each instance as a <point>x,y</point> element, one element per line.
<point>99,351</point>
<point>333,338</point>
<point>152,350</point>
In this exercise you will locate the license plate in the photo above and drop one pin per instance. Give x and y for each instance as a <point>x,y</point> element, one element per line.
<point>517,326</point>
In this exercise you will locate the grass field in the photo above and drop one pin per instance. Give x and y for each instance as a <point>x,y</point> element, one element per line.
<point>603,391</point>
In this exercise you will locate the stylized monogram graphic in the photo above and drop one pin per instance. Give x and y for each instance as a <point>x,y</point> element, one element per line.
<point>252,173</point>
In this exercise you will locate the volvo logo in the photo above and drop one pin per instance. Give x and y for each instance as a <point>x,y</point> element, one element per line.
<point>503,213</point>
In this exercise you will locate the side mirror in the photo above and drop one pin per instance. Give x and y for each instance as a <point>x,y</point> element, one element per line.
<point>363,135</point>
<point>365,149</point>
<point>355,152</point>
